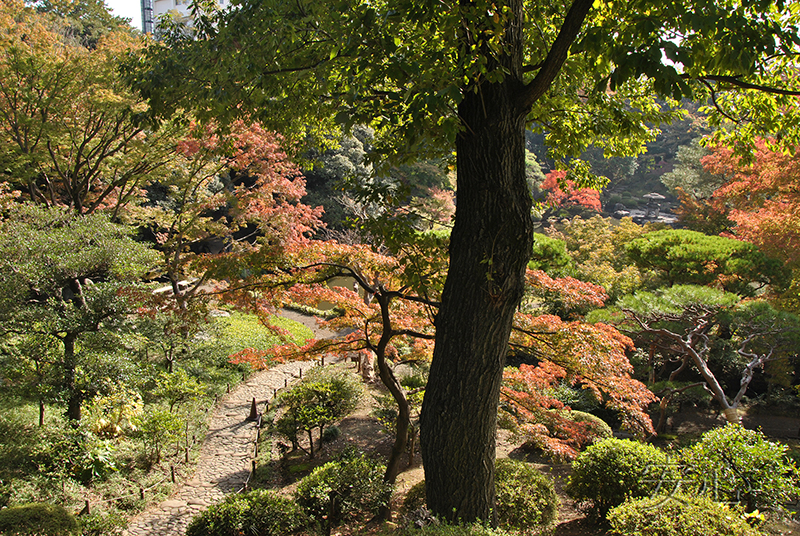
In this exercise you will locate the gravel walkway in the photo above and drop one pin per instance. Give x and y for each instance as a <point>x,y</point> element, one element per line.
<point>226,455</point>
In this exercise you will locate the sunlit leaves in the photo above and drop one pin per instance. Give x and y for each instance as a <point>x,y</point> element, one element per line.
<point>760,197</point>
<point>66,135</point>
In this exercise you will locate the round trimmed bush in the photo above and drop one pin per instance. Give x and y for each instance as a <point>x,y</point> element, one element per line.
<point>613,470</point>
<point>36,519</point>
<point>255,513</point>
<point>742,466</point>
<point>678,515</point>
<point>344,490</point>
<point>525,497</point>
<point>598,428</point>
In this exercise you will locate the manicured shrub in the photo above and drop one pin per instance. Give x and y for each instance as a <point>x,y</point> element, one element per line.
<point>37,519</point>
<point>331,433</point>
<point>255,513</point>
<point>742,466</point>
<point>525,497</point>
<point>344,490</point>
<point>678,515</point>
<point>324,396</point>
<point>613,470</point>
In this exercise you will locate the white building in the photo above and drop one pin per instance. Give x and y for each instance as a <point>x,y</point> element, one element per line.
<point>153,9</point>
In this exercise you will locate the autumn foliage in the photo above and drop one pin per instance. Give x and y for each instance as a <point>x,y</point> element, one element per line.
<point>570,352</point>
<point>565,192</point>
<point>585,356</point>
<point>760,197</point>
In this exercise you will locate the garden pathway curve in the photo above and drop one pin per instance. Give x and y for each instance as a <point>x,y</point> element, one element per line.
<point>225,457</point>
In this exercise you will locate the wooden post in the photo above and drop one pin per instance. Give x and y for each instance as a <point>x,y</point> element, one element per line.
<point>172,473</point>
<point>322,359</point>
<point>253,411</point>
<point>274,393</point>
<point>301,373</point>
<point>141,493</point>
<point>186,455</point>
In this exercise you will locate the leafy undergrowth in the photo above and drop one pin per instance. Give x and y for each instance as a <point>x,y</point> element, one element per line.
<point>136,434</point>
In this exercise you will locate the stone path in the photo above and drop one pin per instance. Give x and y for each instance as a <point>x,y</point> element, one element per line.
<point>226,455</point>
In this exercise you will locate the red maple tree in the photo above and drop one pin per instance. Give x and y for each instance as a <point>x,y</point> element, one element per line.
<point>565,192</point>
<point>761,198</point>
<point>391,318</point>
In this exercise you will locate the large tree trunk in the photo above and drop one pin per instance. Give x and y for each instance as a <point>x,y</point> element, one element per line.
<point>489,248</point>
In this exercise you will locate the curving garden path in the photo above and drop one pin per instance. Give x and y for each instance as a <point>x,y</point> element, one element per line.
<point>226,454</point>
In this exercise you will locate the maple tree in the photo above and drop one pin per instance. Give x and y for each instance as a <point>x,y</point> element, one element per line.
<point>67,130</point>
<point>237,191</point>
<point>562,191</point>
<point>394,322</point>
<point>760,197</point>
<point>582,355</point>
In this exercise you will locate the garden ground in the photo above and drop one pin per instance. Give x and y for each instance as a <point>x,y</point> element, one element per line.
<point>363,431</point>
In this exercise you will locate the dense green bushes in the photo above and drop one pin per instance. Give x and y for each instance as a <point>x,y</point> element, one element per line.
<point>255,513</point>
<point>678,515</point>
<point>37,519</point>
<point>344,490</point>
<point>730,465</point>
<point>613,470</point>
<point>526,499</point>
<point>741,466</point>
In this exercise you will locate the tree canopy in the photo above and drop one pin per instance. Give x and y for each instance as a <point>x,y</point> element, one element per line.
<point>690,257</point>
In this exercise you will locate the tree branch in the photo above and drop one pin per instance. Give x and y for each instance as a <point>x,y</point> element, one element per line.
<point>558,54</point>
<point>736,81</point>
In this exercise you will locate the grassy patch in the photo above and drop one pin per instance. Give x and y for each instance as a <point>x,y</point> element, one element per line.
<point>241,330</point>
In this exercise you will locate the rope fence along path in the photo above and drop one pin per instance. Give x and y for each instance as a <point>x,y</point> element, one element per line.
<point>225,460</point>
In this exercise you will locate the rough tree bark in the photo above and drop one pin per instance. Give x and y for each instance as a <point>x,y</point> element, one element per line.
<point>490,245</point>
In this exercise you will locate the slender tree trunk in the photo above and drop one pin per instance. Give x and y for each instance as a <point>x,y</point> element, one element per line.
<point>389,380</point>
<point>73,395</point>
<point>489,248</point>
